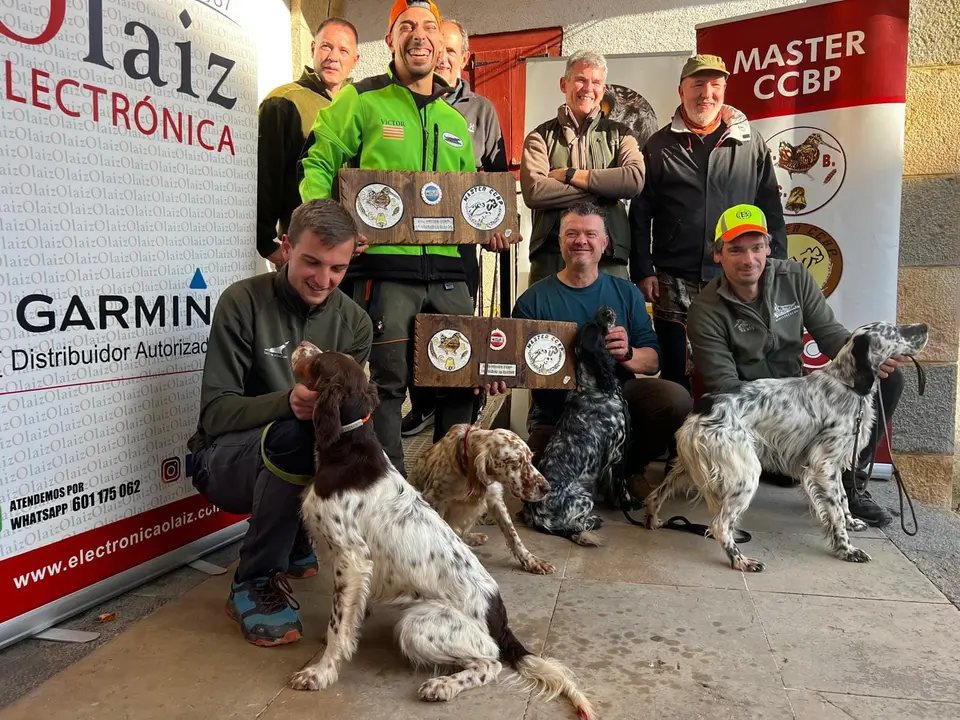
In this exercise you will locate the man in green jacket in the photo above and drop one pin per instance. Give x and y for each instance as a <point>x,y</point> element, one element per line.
<point>748,323</point>
<point>253,447</point>
<point>399,121</point>
<point>283,123</point>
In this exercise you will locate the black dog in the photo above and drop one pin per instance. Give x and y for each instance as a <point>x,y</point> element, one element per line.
<point>587,452</point>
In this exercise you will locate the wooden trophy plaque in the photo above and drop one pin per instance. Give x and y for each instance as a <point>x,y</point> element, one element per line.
<point>406,207</point>
<point>468,351</point>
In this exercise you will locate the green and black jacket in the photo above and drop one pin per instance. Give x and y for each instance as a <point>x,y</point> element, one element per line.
<point>285,119</point>
<point>378,124</point>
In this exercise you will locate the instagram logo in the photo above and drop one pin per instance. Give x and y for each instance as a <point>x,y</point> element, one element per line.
<point>170,470</point>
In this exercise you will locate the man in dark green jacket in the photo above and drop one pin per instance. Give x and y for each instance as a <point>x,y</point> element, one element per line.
<point>748,323</point>
<point>253,447</point>
<point>284,121</point>
<point>399,121</point>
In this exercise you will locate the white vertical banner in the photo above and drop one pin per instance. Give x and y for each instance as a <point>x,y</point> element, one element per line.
<point>825,84</point>
<point>128,132</point>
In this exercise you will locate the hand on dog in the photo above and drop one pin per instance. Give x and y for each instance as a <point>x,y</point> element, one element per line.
<point>497,388</point>
<point>302,400</point>
<point>887,368</point>
<point>617,342</point>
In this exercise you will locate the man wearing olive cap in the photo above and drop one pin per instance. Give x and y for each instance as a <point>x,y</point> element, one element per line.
<point>705,161</point>
<point>748,323</point>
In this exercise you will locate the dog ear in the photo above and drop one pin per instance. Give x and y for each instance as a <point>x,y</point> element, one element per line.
<point>326,413</point>
<point>864,373</point>
<point>372,395</point>
<point>477,472</point>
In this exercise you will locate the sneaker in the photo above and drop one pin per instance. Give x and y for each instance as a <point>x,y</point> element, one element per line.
<point>303,567</point>
<point>415,422</point>
<point>865,508</point>
<point>266,610</point>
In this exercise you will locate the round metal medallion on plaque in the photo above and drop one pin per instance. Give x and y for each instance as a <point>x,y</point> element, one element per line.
<point>379,206</point>
<point>483,207</point>
<point>449,350</point>
<point>545,354</point>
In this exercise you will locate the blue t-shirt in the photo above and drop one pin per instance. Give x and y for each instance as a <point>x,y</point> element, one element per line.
<point>550,299</point>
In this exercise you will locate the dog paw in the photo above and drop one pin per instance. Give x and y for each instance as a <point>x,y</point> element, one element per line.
<point>436,690</point>
<point>312,679</point>
<point>653,523</point>
<point>746,564</point>
<point>539,567</point>
<point>856,525</point>
<point>854,555</point>
<point>475,539</point>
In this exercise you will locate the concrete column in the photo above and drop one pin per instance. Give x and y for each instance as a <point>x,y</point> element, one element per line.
<point>927,435</point>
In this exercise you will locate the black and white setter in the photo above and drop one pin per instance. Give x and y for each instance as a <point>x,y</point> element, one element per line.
<point>587,452</point>
<point>384,543</point>
<point>805,427</point>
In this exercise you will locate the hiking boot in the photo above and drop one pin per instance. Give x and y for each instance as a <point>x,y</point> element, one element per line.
<point>863,506</point>
<point>303,566</point>
<point>415,422</point>
<point>266,610</point>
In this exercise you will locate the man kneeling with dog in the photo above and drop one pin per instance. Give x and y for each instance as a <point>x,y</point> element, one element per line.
<point>657,407</point>
<point>254,445</point>
<point>748,324</point>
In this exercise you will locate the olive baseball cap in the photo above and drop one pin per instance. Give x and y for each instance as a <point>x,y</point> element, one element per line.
<point>700,63</point>
<point>741,219</point>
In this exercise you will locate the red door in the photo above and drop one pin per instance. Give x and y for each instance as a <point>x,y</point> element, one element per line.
<point>497,71</point>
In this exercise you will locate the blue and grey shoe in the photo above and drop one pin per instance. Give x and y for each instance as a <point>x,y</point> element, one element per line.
<point>303,567</point>
<point>266,610</point>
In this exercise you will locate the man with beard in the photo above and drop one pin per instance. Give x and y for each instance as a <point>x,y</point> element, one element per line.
<point>285,118</point>
<point>399,121</point>
<point>707,160</point>
<point>578,156</point>
<point>489,156</point>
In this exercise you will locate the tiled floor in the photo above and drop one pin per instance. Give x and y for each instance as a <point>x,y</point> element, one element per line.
<point>655,625</point>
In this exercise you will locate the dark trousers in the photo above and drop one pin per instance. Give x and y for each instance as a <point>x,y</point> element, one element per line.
<point>657,410</point>
<point>232,475</point>
<point>672,337</point>
<point>393,307</point>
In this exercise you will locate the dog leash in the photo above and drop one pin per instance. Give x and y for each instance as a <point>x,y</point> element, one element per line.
<point>901,486</point>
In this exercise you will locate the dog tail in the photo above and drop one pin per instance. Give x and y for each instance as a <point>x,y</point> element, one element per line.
<point>549,676</point>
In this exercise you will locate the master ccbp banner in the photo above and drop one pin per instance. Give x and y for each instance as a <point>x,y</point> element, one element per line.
<point>127,205</point>
<point>825,84</point>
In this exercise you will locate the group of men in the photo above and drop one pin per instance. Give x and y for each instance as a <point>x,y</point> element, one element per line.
<point>704,215</point>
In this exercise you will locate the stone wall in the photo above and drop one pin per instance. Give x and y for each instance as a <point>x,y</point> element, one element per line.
<point>927,429</point>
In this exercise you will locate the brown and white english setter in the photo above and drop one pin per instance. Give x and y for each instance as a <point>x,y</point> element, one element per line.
<point>384,543</point>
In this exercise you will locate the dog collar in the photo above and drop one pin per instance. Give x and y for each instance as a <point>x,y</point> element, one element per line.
<point>355,424</point>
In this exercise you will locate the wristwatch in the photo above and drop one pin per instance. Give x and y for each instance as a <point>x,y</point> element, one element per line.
<point>629,356</point>
<point>569,176</point>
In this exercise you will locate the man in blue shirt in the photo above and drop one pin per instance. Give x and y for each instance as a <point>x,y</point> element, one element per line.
<point>657,407</point>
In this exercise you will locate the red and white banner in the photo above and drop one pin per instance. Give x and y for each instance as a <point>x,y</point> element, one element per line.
<point>825,84</point>
<point>826,87</point>
<point>128,135</point>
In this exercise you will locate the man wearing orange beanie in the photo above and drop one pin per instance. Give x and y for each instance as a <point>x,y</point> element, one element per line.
<point>399,121</point>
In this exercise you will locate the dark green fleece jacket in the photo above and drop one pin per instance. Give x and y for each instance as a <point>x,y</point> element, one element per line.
<point>733,341</point>
<point>258,323</point>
